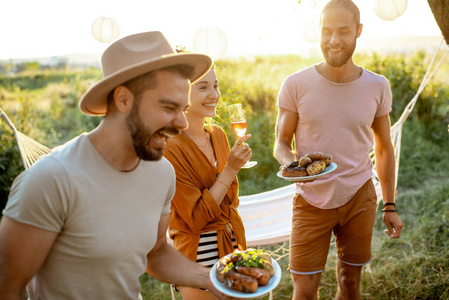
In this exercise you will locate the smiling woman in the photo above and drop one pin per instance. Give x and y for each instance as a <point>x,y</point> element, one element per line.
<point>204,222</point>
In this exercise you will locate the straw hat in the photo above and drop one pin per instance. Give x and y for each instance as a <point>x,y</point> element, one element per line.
<point>133,56</point>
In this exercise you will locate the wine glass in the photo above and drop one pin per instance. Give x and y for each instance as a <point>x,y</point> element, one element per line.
<point>238,123</point>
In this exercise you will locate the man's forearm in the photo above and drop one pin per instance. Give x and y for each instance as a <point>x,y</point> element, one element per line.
<point>385,166</point>
<point>283,153</point>
<point>171,266</point>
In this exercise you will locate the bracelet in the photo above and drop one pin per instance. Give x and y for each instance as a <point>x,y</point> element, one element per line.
<point>218,179</point>
<point>389,210</point>
<point>389,203</point>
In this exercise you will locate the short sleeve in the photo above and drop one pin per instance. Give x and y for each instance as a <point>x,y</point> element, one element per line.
<point>287,96</point>
<point>39,196</point>
<point>386,99</point>
<point>170,194</point>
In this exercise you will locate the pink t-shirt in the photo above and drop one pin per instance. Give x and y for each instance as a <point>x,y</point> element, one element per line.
<point>335,118</point>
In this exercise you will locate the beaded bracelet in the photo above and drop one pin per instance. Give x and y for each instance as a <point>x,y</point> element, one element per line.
<point>389,203</point>
<point>389,210</point>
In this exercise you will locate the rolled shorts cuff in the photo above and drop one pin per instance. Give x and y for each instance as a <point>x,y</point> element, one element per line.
<point>357,265</point>
<point>305,273</point>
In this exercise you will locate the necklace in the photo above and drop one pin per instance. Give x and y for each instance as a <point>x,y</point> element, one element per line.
<point>209,153</point>
<point>200,146</point>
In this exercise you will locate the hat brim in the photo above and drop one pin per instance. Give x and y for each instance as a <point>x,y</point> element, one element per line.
<point>94,101</point>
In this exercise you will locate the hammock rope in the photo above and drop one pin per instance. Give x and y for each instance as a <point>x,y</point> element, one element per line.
<point>396,129</point>
<point>29,149</point>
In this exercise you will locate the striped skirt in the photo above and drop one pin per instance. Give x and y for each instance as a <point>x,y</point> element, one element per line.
<point>207,254</point>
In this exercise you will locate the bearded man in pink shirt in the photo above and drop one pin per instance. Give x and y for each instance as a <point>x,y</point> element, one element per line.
<point>341,109</point>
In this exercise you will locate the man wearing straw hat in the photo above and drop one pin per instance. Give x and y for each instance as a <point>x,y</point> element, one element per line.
<point>85,221</point>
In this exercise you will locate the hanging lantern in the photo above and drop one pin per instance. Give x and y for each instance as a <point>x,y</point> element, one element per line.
<point>105,30</point>
<point>211,41</point>
<point>311,29</point>
<point>389,10</point>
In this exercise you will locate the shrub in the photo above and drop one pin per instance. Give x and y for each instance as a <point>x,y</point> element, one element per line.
<point>10,162</point>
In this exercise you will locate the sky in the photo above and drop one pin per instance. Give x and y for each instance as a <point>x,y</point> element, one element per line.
<point>30,28</point>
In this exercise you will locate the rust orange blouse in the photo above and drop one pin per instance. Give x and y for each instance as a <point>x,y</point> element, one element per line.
<point>193,209</point>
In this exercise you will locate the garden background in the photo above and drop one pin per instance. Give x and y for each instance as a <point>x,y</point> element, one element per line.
<point>42,102</point>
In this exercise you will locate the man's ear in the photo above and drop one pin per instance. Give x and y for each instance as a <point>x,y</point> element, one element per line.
<point>359,31</point>
<point>123,99</point>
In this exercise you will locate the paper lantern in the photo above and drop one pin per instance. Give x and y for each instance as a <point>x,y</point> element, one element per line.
<point>105,30</point>
<point>389,10</point>
<point>211,41</point>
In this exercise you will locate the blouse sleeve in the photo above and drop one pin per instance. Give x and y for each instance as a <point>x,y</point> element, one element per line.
<point>192,202</point>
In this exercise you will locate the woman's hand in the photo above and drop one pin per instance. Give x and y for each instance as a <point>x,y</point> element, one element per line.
<point>240,154</point>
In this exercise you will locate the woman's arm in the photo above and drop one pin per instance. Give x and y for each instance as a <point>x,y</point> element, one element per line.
<point>238,156</point>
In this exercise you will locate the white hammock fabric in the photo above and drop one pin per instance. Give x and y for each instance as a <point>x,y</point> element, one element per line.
<point>267,216</point>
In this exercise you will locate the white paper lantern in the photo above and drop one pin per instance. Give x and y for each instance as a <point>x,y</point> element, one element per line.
<point>105,30</point>
<point>211,41</point>
<point>389,10</point>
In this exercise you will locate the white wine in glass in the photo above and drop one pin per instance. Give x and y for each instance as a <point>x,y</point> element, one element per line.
<point>238,124</point>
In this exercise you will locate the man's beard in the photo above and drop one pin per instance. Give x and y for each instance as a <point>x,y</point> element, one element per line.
<point>341,59</point>
<point>141,136</point>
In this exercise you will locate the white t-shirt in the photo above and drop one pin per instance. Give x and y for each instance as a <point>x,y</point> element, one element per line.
<point>107,220</point>
<point>335,118</point>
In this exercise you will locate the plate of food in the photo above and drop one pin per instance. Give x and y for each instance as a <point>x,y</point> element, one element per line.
<point>307,168</point>
<point>246,274</point>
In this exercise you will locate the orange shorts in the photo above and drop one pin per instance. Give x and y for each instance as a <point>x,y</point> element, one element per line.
<point>312,227</point>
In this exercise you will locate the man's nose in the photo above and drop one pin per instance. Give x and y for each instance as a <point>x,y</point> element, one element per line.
<point>335,39</point>
<point>180,121</point>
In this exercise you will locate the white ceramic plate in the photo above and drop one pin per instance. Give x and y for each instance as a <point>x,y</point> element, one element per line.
<point>262,290</point>
<point>329,169</point>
